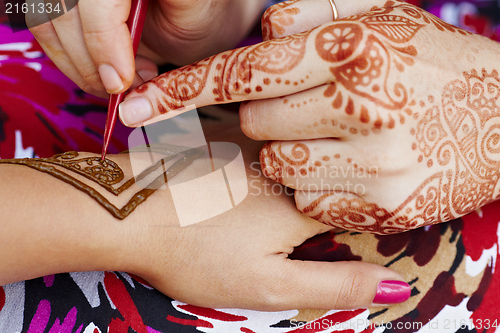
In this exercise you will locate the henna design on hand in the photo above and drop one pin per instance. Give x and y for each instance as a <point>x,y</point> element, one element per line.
<point>273,161</point>
<point>367,52</point>
<point>458,137</point>
<point>363,51</point>
<point>463,136</point>
<point>107,174</point>
<point>239,70</point>
<point>182,84</point>
<point>419,13</point>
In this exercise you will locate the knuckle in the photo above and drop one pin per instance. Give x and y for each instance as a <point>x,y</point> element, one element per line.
<point>350,291</point>
<point>274,21</point>
<point>42,30</point>
<point>91,76</point>
<point>91,89</point>
<point>268,14</point>
<point>241,78</point>
<point>268,17</point>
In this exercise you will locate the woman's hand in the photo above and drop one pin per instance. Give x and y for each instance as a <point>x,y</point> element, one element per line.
<point>91,44</point>
<point>236,259</point>
<point>399,109</point>
<point>239,259</point>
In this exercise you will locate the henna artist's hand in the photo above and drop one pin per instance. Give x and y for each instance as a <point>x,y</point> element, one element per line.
<point>91,43</point>
<point>400,111</point>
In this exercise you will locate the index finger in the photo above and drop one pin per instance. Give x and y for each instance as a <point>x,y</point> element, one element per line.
<point>270,69</point>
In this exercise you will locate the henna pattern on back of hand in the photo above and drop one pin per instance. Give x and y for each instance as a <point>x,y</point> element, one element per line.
<point>367,54</point>
<point>106,174</point>
<point>458,136</point>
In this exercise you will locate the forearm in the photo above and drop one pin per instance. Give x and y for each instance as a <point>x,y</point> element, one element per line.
<point>48,226</point>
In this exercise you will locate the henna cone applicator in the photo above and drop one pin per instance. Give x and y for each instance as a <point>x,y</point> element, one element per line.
<point>135,24</point>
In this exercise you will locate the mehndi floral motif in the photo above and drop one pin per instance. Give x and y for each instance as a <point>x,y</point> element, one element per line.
<point>108,174</point>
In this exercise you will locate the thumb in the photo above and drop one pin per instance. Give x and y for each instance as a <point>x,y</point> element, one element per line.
<point>337,285</point>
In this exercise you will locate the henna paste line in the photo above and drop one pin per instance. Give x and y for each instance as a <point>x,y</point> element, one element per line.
<point>138,198</point>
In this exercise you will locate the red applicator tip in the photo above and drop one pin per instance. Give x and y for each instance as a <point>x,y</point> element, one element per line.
<point>135,24</point>
<point>114,102</point>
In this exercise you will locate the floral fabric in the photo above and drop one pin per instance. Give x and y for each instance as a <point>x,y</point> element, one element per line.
<point>451,267</point>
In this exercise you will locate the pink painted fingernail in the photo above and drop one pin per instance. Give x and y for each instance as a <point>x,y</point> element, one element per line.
<point>110,78</point>
<point>392,292</point>
<point>135,111</point>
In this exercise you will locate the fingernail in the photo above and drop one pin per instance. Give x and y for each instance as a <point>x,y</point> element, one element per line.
<point>110,78</point>
<point>147,75</point>
<point>135,111</point>
<point>392,292</point>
